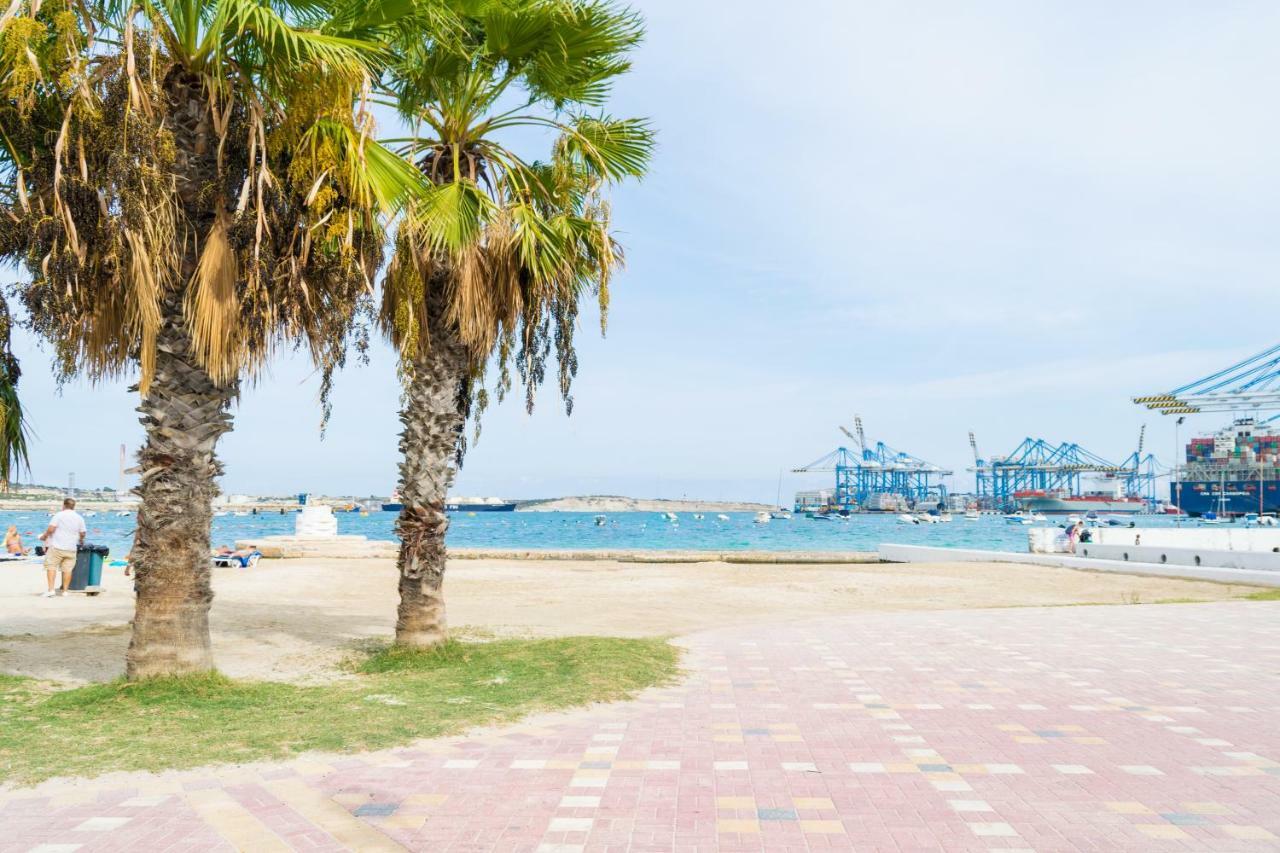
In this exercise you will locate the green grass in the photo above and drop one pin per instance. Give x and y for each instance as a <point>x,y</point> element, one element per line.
<point>390,698</point>
<point>1265,595</point>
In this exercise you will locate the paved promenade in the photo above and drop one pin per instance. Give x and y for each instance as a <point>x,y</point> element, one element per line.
<point>1075,728</point>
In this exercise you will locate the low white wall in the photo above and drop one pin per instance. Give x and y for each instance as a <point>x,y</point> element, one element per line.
<point>891,553</point>
<point>1210,538</point>
<point>1144,553</point>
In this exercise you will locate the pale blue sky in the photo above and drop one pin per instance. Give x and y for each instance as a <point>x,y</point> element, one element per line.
<point>1005,216</point>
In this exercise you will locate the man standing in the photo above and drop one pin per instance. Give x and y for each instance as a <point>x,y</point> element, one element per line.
<point>63,538</point>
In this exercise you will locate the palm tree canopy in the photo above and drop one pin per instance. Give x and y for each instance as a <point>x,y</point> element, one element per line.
<point>516,241</point>
<point>135,131</point>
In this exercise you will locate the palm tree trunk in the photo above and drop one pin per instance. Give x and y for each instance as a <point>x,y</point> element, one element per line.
<point>184,413</point>
<point>433,415</point>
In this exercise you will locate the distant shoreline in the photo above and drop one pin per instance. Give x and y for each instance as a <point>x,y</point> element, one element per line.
<point>583,503</point>
<point>617,503</point>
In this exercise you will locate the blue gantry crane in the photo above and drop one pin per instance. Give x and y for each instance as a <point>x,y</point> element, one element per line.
<point>1038,466</point>
<point>1252,385</point>
<point>878,477</point>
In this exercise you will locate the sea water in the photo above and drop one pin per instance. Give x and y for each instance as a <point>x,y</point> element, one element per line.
<point>642,531</point>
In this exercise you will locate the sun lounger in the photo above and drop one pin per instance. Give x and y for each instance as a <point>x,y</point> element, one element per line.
<point>231,561</point>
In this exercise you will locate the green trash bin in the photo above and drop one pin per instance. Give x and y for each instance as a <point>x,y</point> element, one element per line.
<point>87,575</point>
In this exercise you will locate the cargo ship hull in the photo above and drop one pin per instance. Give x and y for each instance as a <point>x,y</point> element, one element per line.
<point>1224,497</point>
<point>486,506</point>
<point>1080,506</point>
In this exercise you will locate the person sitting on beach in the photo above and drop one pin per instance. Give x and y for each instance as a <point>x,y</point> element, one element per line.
<point>13,542</point>
<point>228,551</point>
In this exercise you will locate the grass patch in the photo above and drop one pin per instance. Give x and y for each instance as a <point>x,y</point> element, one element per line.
<point>394,697</point>
<point>1264,595</point>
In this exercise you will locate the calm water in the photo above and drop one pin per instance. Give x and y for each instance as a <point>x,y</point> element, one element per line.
<point>624,530</point>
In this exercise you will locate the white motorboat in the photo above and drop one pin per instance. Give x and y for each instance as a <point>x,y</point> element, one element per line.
<point>1019,517</point>
<point>722,517</point>
<point>600,520</point>
<point>762,518</point>
<point>697,516</point>
<point>669,516</point>
<point>780,515</point>
<point>925,518</point>
<point>972,515</point>
<point>906,518</point>
<point>944,518</point>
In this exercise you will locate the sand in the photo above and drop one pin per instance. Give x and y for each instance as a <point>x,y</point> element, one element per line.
<point>295,620</point>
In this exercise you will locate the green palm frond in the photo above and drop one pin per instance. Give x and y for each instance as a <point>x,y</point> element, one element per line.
<point>451,218</point>
<point>374,175</point>
<point>14,432</point>
<point>277,47</point>
<point>612,149</point>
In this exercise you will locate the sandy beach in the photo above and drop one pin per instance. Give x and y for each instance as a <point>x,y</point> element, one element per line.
<point>295,620</point>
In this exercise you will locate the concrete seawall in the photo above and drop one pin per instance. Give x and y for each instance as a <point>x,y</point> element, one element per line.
<point>891,553</point>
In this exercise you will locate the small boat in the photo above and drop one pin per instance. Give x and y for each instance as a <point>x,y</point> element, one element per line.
<point>822,516</point>
<point>124,513</point>
<point>972,515</point>
<point>88,513</point>
<point>926,518</point>
<point>220,513</point>
<point>1267,521</point>
<point>600,520</point>
<point>240,514</point>
<point>762,518</point>
<point>669,516</point>
<point>944,518</point>
<point>1019,517</point>
<point>780,515</point>
<point>697,516</point>
<point>907,518</point>
<point>722,517</point>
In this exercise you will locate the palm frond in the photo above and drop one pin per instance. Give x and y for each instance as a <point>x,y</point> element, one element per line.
<point>451,218</point>
<point>15,434</point>
<point>612,149</point>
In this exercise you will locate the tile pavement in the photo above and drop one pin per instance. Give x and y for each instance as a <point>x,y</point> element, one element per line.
<point>1084,728</point>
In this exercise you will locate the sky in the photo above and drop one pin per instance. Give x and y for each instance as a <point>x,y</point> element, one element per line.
<point>1008,217</point>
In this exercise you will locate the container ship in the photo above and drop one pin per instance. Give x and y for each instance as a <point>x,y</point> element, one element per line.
<point>1232,472</point>
<point>1064,503</point>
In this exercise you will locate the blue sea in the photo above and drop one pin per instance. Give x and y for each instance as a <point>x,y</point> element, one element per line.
<point>622,531</point>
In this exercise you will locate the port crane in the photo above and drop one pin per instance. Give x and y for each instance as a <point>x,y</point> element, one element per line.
<point>1251,384</point>
<point>1037,465</point>
<point>878,470</point>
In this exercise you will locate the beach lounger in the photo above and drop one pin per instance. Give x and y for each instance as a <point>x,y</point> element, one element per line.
<point>230,561</point>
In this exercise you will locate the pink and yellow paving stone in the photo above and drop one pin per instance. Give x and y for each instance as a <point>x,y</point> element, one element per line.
<point>1104,728</point>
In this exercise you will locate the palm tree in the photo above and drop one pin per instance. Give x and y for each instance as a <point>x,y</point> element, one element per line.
<point>190,184</point>
<point>492,259</point>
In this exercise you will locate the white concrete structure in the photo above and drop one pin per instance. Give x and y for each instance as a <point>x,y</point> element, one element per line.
<point>1219,547</point>
<point>1225,574</point>
<point>315,520</point>
<point>316,535</point>
<point>1266,539</point>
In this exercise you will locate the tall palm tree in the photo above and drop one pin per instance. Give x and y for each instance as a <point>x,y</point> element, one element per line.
<point>492,259</point>
<point>190,184</point>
